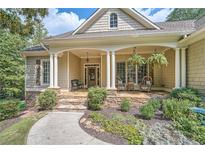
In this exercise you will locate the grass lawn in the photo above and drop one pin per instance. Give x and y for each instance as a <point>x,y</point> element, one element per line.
<point>17,133</point>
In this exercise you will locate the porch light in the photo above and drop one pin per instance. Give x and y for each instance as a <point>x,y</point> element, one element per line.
<point>87,59</point>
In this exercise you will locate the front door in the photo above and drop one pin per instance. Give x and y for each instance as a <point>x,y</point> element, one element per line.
<point>91,76</point>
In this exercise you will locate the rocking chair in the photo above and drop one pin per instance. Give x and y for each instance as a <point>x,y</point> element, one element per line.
<point>146,84</point>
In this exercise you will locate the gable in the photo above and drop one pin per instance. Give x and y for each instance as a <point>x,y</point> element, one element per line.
<point>127,20</point>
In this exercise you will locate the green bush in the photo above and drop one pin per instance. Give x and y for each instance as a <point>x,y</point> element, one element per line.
<point>147,111</point>
<point>8,109</point>
<point>127,131</point>
<point>125,105</point>
<point>155,104</point>
<point>22,105</point>
<point>47,100</point>
<point>173,108</point>
<point>96,97</point>
<point>186,93</point>
<point>191,127</point>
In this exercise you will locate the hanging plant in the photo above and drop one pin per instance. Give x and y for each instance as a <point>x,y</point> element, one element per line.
<point>158,59</point>
<point>136,59</point>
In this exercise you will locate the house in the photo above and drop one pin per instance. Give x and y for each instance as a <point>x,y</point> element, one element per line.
<point>96,53</point>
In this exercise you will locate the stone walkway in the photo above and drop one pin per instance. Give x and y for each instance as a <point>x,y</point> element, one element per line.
<point>60,128</point>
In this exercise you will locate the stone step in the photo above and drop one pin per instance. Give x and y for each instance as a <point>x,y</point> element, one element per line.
<point>64,96</point>
<point>74,101</point>
<point>71,107</point>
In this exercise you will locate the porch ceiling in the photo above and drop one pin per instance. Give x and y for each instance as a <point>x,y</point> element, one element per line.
<point>142,50</point>
<point>82,53</point>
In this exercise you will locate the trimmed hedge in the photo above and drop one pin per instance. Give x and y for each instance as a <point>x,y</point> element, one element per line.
<point>8,109</point>
<point>47,100</point>
<point>96,97</point>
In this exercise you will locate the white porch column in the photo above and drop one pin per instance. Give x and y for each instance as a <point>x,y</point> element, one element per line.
<point>113,70</point>
<point>51,70</point>
<point>183,67</point>
<point>108,70</point>
<point>177,67</point>
<point>56,70</point>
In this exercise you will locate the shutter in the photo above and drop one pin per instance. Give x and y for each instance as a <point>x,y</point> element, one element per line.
<point>38,72</point>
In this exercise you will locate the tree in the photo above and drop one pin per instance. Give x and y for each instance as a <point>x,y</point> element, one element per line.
<point>40,32</point>
<point>186,14</point>
<point>11,65</point>
<point>21,20</point>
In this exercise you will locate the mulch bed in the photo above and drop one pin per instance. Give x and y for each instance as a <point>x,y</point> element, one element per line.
<point>7,123</point>
<point>114,139</point>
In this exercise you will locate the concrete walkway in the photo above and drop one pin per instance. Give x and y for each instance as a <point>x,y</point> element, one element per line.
<point>60,128</point>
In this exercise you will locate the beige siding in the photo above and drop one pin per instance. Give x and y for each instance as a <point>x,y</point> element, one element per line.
<point>157,76</point>
<point>75,67</point>
<point>168,72</point>
<point>63,71</point>
<point>104,70</point>
<point>196,66</point>
<point>125,22</point>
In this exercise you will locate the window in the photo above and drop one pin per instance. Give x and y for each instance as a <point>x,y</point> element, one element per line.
<point>142,71</point>
<point>113,20</point>
<point>38,72</point>
<point>121,71</point>
<point>46,71</point>
<point>131,73</point>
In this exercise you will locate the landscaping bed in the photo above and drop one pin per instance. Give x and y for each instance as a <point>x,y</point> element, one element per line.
<point>157,122</point>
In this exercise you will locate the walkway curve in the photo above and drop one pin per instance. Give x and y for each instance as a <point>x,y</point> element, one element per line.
<point>60,128</point>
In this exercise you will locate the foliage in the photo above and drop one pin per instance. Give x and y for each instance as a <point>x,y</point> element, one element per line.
<point>186,93</point>
<point>173,108</point>
<point>40,32</point>
<point>21,105</point>
<point>186,14</point>
<point>8,109</point>
<point>17,133</point>
<point>165,134</point>
<point>125,105</point>
<point>191,127</point>
<point>147,111</point>
<point>11,19</point>
<point>11,66</point>
<point>96,97</point>
<point>47,100</point>
<point>158,59</point>
<point>136,59</point>
<point>127,131</point>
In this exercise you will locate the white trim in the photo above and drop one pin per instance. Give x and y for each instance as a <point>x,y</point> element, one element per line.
<point>113,70</point>
<point>41,70</point>
<point>183,67</point>
<point>177,68</point>
<point>101,70</point>
<point>55,71</point>
<point>108,70</point>
<point>86,21</point>
<point>68,69</point>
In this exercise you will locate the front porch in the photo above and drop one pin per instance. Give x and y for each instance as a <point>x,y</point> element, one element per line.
<point>97,67</point>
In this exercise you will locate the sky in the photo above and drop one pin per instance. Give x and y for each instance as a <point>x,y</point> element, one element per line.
<point>68,19</point>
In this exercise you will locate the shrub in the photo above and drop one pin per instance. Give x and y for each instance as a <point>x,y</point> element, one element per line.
<point>186,93</point>
<point>21,105</point>
<point>47,100</point>
<point>173,108</point>
<point>155,104</point>
<point>96,97</point>
<point>8,109</point>
<point>147,111</point>
<point>127,131</point>
<point>125,105</point>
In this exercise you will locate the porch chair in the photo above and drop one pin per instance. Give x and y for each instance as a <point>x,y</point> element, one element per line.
<point>146,84</point>
<point>76,84</point>
<point>119,84</point>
